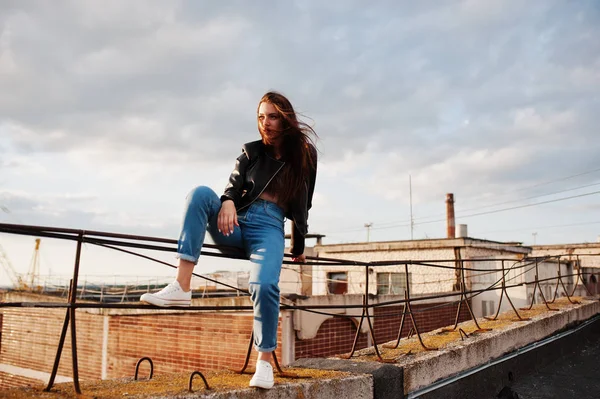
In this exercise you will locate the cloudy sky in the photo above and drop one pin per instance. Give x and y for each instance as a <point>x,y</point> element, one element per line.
<point>111,111</point>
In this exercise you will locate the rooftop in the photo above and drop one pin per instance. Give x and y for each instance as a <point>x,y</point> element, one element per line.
<point>455,354</point>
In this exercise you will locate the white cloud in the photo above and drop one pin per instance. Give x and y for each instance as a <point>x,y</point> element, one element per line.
<point>127,105</point>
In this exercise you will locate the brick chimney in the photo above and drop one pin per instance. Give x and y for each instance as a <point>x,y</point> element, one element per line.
<point>450,216</point>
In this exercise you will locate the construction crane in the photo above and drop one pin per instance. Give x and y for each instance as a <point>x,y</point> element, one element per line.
<point>34,269</point>
<point>15,278</point>
<point>31,279</point>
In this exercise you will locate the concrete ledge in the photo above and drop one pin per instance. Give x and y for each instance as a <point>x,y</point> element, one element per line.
<point>226,385</point>
<point>426,368</point>
<point>388,380</point>
<point>359,387</point>
<point>557,368</point>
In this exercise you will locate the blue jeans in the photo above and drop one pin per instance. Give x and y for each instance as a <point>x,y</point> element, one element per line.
<point>260,234</point>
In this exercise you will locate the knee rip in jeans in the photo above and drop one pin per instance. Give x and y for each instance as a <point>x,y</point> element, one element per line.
<point>258,256</point>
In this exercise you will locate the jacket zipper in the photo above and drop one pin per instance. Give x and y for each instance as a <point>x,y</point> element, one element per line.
<point>264,188</point>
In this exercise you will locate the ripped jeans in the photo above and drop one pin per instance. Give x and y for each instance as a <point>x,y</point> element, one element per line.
<point>260,234</point>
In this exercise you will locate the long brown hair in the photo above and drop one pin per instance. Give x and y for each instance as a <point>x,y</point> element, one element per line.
<point>296,147</point>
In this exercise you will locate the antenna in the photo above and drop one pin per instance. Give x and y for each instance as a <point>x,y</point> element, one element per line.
<point>412,221</point>
<point>368,226</point>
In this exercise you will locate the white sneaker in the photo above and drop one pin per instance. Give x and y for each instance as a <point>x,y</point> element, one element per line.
<point>171,295</point>
<point>263,377</point>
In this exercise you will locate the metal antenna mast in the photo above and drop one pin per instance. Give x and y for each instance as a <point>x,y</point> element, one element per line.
<point>412,221</point>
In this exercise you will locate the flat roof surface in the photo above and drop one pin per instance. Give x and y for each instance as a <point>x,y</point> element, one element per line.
<point>575,374</point>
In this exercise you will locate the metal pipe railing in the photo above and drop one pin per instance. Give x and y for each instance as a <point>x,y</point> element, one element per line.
<point>119,242</point>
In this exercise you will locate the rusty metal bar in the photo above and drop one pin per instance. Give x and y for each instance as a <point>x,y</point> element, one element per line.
<point>502,293</point>
<point>394,346</point>
<point>536,286</point>
<point>61,342</point>
<point>195,373</point>
<point>137,367</point>
<point>74,234</point>
<point>277,366</point>
<point>366,313</point>
<point>559,281</point>
<point>72,310</point>
<point>404,312</point>
<point>414,325</point>
<point>463,298</point>
<point>578,278</point>
<point>410,312</point>
<point>248,353</point>
<point>533,295</point>
<point>82,236</point>
<point>362,317</point>
<point>79,305</point>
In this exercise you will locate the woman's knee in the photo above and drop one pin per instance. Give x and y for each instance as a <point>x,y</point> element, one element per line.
<point>264,290</point>
<point>201,194</point>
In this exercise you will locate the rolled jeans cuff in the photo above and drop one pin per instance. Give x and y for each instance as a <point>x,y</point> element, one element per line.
<point>265,349</point>
<point>189,258</point>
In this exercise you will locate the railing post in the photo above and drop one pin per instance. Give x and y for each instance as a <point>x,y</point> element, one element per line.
<point>502,292</point>
<point>72,310</point>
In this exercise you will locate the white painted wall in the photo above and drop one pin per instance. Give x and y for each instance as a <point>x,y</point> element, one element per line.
<point>424,279</point>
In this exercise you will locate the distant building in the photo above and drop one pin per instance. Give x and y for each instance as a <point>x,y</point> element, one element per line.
<point>424,280</point>
<point>583,255</point>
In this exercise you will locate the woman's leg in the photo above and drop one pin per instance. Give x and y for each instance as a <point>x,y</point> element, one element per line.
<point>262,230</point>
<point>263,234</point>
<point>185,268</point>
<point>201,212</point>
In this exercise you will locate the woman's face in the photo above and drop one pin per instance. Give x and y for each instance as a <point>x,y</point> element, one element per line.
<point>269,121</point>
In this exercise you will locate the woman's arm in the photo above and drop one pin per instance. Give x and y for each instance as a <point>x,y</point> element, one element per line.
<point>297,241</point>
<point>227,217</point>
<point>234,189</point>
<point>231,197</point>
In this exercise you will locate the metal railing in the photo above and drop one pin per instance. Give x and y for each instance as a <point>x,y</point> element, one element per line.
<point>125,243</point>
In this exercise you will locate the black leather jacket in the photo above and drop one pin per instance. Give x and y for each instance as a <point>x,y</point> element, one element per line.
<point>254,170</point>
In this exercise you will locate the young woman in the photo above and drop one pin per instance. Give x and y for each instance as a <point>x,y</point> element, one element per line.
<point>273,179</point>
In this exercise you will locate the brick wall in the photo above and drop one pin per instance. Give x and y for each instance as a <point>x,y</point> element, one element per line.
<point>180,341</point>
<point>336,335</point>
<point>427,316</point>
<point>8,380</point>
<point>30,340</point>
<point>175,342</point>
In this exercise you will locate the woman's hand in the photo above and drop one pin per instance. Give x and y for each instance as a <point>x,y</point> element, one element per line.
<point>227,218</point>
<point>299,259</point>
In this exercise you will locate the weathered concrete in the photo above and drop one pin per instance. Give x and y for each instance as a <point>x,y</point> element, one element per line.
<point>421,369</point>
<point>388,380</point>
<point>571,372</point>
<point>426,368</point>
<point>565,367</point>
<point>357,386</point>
